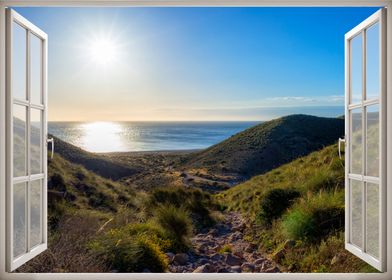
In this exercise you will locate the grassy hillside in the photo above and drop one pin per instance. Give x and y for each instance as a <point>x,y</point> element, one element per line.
<point>99,225</point>
<point>97,163</point>
<point>297,213</point>
<point>268,145</point>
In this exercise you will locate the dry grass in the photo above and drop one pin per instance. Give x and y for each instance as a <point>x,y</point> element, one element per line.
<point>68,250</point>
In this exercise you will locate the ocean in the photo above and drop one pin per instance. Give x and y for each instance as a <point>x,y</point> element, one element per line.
<point>103,137</point>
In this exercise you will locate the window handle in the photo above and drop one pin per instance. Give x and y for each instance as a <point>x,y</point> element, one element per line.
<point>341,140</point>
<point>51,140</point>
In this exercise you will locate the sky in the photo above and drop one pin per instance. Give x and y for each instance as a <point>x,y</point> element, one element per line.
<point>194,64</point>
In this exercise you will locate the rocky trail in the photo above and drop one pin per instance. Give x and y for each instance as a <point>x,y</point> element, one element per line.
<point>224,250</point>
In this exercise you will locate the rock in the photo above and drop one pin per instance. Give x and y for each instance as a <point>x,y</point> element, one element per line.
<point>170,256</point>
<point>238,253</point>
<point>251,248</point>
<point>274,269</point>
<point>279,255</point>
<point>232,260</point>
<point>235,236</point>
<point>235,269</point>
<point>202,261</point>
<point>216,257</point>
<point>222,270</point>
<point>180,259</point>
<point>259,261</point>
<point>290,243</point>
<point>248,267</point>
<point>240,227</point>
<point>205,268</point>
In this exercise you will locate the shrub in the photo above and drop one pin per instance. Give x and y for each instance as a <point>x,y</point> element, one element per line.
<point>315,217</point>
<point>130,253</point>
<point>176,224</point>
<point>274,203</point>
<point>195,202</point>
<point>57,182</point>
<point>103,201</point>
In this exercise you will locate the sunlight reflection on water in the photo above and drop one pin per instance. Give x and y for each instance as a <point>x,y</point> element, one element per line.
<point>102,137</point>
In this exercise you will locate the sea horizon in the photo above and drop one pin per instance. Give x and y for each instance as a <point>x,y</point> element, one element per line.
<point>145,136</point>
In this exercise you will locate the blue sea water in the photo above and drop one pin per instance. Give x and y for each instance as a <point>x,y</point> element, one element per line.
<point>103,137</point>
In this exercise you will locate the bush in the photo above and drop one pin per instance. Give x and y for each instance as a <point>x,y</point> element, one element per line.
<point>323,180</point>
<point>314,218</point>
<point>102,201</point>
<point>176,224</point>
<point>138,255</point>
<point>195,202</point>
<point>130,253</point>
<point>57,182</point>
<point>274,203</point>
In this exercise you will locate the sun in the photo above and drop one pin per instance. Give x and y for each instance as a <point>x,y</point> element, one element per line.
<point>103,51</point>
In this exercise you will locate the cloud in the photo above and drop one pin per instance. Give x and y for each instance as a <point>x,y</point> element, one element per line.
<point>304,100</point>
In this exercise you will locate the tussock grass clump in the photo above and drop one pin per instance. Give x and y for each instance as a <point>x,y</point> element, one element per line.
<point>323,179</point>
<point>274,203</point>
<point>195,202</point>
<point>315,217</point>
<point>130,253</point>
<point>176,224</point>
<point>225,249</point>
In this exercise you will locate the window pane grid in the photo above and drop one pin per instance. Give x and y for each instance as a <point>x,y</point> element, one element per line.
<point>364,141</point>
<point>28,146</point>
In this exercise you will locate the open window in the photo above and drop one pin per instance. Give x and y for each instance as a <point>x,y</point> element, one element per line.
<point>26,140</point>
<point>366,140</point>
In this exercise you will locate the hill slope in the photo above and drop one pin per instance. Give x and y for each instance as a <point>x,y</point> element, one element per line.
<point>268,145</point>
<point>296,213</point>
<point>96,163</point>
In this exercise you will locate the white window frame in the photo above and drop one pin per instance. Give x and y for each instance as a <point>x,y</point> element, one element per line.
<point>185,3</point>
<point>377,17</point>
<point>12,264</point>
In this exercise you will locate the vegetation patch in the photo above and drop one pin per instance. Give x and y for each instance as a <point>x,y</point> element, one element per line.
<point>274,203</point>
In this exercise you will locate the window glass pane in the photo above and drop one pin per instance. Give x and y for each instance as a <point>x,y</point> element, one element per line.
<point>356,69</point>
<point>36,56</point>
<point>19,61</point>
<point>373,62</point>
<point>372,219</point>
<point>35,213</point>
<point>19,140</point>
<point>356,212</point>
<point>35,141</point>
<point>19,234</point>
<point>356,141</point>
<point>372,141</point>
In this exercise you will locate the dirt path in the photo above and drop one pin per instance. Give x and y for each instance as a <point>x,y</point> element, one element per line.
<point>223,249</point>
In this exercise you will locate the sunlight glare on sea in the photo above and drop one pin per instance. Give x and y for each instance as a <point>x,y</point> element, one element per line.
<point>102,137</point>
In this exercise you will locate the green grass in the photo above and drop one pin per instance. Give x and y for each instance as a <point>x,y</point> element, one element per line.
<point>225,249</point>
<point>194,201</point>
<point>176,224</point>
<point>274,203</point>
<point>268,145</point>
<point>302,201</point>
<point>126,252</point>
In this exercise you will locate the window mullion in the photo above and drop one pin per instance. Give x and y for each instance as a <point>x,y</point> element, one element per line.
<point>364,150</point>
<point>28,130</point>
